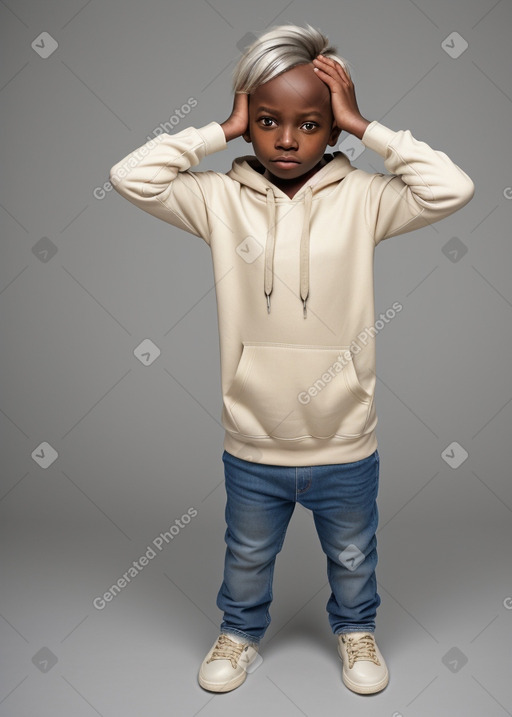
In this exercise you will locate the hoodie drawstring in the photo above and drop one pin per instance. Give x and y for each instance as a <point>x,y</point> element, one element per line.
<point>304,247</point>
<point>270,245</point>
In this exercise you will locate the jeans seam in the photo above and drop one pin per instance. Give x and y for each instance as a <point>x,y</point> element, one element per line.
<point>270,592</point>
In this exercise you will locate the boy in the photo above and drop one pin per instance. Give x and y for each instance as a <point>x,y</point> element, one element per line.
<point>292,232</point>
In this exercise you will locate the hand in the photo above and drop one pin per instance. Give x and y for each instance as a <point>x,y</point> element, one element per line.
<point>238,122</point>
<point>343,97</point>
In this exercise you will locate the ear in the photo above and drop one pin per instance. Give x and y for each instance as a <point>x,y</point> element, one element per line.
<point>333,137</point>
<point>247,134</point>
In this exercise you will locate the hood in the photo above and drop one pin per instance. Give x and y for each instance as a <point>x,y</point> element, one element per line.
<point>249,171</point>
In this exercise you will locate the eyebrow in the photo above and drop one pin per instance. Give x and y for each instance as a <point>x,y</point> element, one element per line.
<point>302,114</point>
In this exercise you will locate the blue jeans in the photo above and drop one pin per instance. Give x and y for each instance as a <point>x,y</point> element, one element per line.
<point>260,501</point>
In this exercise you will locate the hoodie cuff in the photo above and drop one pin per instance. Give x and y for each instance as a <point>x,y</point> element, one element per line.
<point>377,137</point>
<point>213,137</point>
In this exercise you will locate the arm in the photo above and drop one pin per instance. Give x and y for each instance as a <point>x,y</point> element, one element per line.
<point>424,186</point>
<point>155,177</point>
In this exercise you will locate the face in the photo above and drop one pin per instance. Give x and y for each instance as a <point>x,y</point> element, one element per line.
<point>290,116</point>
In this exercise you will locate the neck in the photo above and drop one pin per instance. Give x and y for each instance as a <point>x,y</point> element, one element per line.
<point>292,186</point>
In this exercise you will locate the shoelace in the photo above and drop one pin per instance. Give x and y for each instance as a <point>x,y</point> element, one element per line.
<point>227,649</point>
<point>362,648</point>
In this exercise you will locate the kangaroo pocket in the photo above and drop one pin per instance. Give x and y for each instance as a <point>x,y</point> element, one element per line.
<point>288,391</point>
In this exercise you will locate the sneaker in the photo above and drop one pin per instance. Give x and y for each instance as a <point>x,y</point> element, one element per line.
<point>225,666</point>
<point>364,669</point>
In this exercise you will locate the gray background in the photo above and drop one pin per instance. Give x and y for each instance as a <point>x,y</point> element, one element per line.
<point>84,280</point>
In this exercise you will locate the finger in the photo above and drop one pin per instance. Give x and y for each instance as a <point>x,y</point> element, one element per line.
<point>327,61</point>
<point>323,65</point>
<point>332,82</point>
<point>330,71</point>
<point>327,64</point>
<point>329,76</point>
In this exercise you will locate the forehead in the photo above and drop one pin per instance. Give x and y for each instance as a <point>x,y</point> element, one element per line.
<point>298,88</point>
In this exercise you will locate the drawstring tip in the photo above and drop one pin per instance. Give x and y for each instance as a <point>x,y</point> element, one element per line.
<point>304,310</point>
<point>268,303</point>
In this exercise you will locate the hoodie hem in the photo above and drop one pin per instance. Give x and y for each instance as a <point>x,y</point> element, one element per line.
<point>307,452</point>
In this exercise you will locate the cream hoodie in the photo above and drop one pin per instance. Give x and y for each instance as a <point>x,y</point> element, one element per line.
<point>294,279</point>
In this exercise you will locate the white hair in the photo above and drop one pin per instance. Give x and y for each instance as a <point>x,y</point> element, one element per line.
<point>278,50</point>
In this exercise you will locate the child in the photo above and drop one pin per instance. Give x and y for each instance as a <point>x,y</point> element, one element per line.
<point>292,232</point>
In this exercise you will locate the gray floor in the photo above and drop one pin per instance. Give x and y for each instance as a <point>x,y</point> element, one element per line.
<point>100,454</point>
<point>444,624</point>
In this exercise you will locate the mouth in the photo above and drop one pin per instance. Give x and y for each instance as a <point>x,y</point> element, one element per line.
<point>286,159</point>
<point>285,162</point>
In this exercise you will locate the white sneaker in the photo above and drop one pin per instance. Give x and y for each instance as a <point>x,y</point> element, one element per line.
<point>364,668</point>
<point>226,664</point>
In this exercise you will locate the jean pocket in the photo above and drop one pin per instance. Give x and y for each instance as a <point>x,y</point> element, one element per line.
<point>290,392</point>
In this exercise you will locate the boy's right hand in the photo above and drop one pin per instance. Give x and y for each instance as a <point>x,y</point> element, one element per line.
<point>238,122</point>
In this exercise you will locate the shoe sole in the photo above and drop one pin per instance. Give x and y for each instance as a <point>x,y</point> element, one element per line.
<point>224,686</point>
<point>363,689</point>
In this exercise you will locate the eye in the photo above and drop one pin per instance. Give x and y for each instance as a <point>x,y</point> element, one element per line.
<point>311,125</point>
<point>262,119</point>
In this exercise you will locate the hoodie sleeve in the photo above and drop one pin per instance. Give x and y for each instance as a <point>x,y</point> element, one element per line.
<point>155,177</point>
<point>424,186</point>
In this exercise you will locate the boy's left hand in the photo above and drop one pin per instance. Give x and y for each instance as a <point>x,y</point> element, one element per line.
<point>343,97</point>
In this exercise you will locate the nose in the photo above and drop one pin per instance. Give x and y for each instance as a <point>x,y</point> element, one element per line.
<point>286,138</point>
